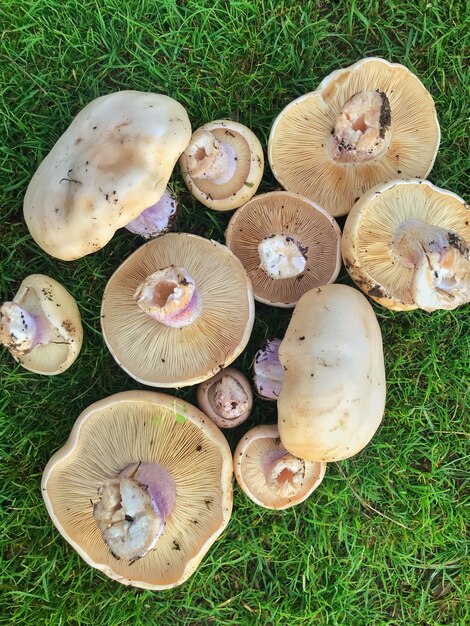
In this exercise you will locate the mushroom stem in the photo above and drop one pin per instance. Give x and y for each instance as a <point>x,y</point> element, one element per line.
<point>441,263</point>
<point>21,331</point>
<point>285,472</point>
<point>133,509</point>
<point>228,398</point>
<point>209,158</point>
<point>268,370</point>
<point>282,256</point>
<point>156,219</point>
<point>170,296</point>
<point>362,129</point>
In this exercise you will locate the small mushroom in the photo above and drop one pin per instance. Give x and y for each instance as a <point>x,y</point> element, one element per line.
<point>407,245</point>
<point>287,244</point>
<point>332,399</point>
<point>226,398</point>
<point>112,163</point>
<point>223,165</point>
<point>157,219</point>
<point>270,475</point>
<point>364,125</point>
<point>177,311</point>
<point>41,327</point>
<point>142,488</point>
<point>268,371</point>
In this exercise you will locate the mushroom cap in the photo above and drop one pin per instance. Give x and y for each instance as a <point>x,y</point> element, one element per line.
<point>254,449</point>
<point>204,401</point>
<point>248,174</point>
<point>161,356</point>
<point>43,296</point>
<point>369,229</point>
<point>332,399</point>
<point>151,427</point>
<point>112,163</point>
<point>297,148</point>
<point>286,213</point>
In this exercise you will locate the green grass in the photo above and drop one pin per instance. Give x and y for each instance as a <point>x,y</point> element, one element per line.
<point>383,540</point>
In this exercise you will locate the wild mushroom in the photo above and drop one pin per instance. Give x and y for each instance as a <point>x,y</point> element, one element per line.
<point>223,165</point>
<point>364,125</point>
<point>157,219</point>
<point>226,398</point>
<point>406,244</point>
<point>287,244</point>
<point>41,327</point>
<point>112,163</point>
<point>333,396</point>
<point>177,311</point>
<point>268,371</point>
<point>271,476</point>
<point>142,488</point>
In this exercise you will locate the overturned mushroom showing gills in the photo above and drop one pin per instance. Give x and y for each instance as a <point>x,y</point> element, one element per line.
<point>268,371</point>
<point>364,125</point>
<point>142,488</point>
<point>41,326</point>
<point>226,398</point>
<point>287,244</point>
<point>177,311</point>
<point>332,399</point>
<point>407,245</point>
<point>271,476</point>
<point>157,219</point>
<point>223,165</point>
<point>112,163</point>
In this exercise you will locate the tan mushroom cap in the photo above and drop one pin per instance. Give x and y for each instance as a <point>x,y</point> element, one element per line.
<point>143,426</point>
<point>368,239</point>
<point>247,174</point>
<point>159,355</point>
<point>259,449</point>
<point>298,143</point>
<point>47,300</point>
<point>112,163</point>
<point>230,392</point>
<point>314,231</point>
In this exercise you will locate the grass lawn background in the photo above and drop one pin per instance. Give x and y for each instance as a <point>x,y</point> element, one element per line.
<point>383,540</point>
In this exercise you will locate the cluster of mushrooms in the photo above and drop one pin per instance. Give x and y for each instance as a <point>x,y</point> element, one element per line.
<point>143,486</point>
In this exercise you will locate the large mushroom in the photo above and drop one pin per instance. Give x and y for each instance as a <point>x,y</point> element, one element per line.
<point>333,395</point>
<point>407,245</point>
<point>142,488</point>
<point>41,326</point>
<point>271,476</point>
<point>364,125</point>
<point>112,163</point>
<point>287,244</point>
<point>177,311</point>
<point>223,164</point>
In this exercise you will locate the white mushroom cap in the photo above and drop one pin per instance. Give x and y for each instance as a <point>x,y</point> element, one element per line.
<point>56,340</point>
<point>112,163</point>
<point>148,427</point>
<point>271,476</point>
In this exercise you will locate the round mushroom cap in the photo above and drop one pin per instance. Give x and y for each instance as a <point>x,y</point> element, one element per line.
<point>299,139</point>
<point>143,426</point>
<point>269,475</point>
<point>112,163</point>
<point>370,251</point>
<point>162,356</point>
<point>312,230</point>
<point>226,398</point>
<point>245,176</point>
<point>48,302</point>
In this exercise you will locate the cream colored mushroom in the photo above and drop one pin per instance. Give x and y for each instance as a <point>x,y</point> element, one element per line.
<point>223,164</point>
<point>112,163</point>
<point>41,326</point>
<point>333,395</point>
<point>407,245</point>
<point>271,476</point>
<point>142,488</point>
